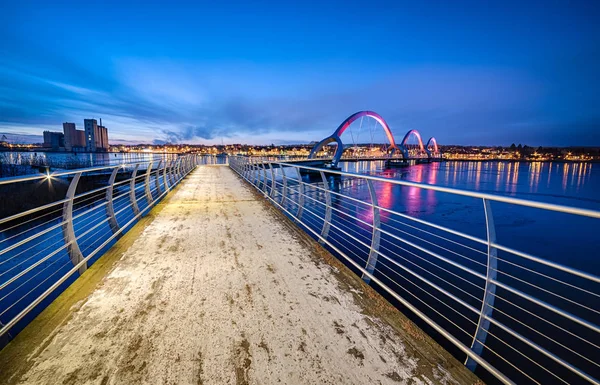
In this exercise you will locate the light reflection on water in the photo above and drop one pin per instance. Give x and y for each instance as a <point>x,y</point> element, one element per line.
<point>574,184</point>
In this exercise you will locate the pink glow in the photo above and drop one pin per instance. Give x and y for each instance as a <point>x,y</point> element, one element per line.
<point>418,136</point>
<point>433,141</point>
<point>370,114</point>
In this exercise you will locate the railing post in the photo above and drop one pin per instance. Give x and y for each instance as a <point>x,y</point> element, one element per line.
<point>165,176</point>
<point>110,209</point>
<point>157,178</point>
<point>248,169</point>
<point>67,228</point>
<point>264,185</point>
<point>374,250</point>
<point>327,219</point>
<point>490,288</point>
<point>300,195</point>
<point>132,199</point>
<point>273,184</point>
<point>147,184</point>
<point>176,170</point>
<point>254,171</point>
<point>172,172</point>
<point>284,188</point>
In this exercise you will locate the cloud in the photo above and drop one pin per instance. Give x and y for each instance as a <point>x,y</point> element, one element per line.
<point>157,103</point>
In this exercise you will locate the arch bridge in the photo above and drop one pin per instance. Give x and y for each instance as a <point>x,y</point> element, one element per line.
<point>429,150</point>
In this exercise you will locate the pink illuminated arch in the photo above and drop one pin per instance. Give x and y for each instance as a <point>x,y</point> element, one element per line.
<point>403,147</point>
<point>352,118</point>
<point>416,134</point>
<point>335,137</point>
<point>432,141</point>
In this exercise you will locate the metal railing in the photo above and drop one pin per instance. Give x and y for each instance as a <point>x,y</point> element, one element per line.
<point>513,316</point>
<point>44,249</point>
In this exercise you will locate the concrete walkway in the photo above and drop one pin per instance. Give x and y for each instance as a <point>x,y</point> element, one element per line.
<point>219,288</point>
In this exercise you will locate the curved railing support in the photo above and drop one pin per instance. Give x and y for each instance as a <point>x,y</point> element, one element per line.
<point>264,172</point>
<point>157,178</point>
<point>132,198</point>
<point>166,184</point>
<point>67,228</point>
<point>147,184</point>
<point>374,250</point>
<point>285,187</point>
<point>177,170</point>
<point>300,195</point>
<point>487,305</point>
<point>171,173</point>
<point>255,174</point>
<point>110,209</point>
<point>273,185</point>
<point>327,218</point>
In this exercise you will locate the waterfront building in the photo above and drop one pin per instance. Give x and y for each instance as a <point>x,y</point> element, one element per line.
<point>74,138</point>
<point>54,140</point>
<point>96,136</point>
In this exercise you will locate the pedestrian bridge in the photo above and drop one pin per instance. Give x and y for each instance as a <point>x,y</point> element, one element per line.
<point>214,286</point>
<point>249,273</point>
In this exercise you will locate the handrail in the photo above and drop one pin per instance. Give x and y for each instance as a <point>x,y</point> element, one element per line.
<point>39,244</point>
<point>439,274</point>
<point>25,178</point>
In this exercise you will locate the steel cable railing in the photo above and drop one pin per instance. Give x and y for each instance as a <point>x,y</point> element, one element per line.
<point>44,249</point>
<point>513,315</point>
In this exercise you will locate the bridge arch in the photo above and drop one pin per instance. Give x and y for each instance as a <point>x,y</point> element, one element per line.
<point>403,144</point>
<point>335,137</point>
<point>432,142</point>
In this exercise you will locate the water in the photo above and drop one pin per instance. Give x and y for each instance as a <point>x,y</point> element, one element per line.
<point>573,184</point>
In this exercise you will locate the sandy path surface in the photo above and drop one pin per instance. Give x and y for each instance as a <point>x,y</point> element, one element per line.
<point>215,291</point>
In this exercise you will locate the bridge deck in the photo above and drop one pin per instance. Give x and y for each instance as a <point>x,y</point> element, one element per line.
<point>217,287</point>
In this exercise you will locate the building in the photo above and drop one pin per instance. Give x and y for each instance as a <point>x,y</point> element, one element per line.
<point>91,127</point>
<point>103,142</point>
<point>96,136</point>
<point>54,140</point>
<point>74,138</point>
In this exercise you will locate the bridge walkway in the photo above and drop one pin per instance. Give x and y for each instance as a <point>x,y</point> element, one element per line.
<point>217,287</point>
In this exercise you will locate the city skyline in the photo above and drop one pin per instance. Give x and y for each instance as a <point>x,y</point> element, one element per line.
<point>469,74</point>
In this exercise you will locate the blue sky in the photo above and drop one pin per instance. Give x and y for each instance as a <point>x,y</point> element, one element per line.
<point>282,72</point>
